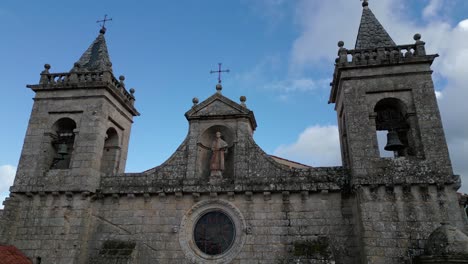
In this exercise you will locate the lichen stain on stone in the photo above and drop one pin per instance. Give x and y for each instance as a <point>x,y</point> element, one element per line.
<point>312,248</point>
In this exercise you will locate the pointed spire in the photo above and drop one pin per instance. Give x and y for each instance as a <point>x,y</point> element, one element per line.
<point>96,57</point>
<point>371,33</point>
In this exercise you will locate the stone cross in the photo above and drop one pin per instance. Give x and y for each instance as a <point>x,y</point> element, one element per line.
<point>104,21</point>
<point>219,71</point>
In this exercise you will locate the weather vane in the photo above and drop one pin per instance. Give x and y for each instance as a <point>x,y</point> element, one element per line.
<point>103,26</point>
<point>219,71</point>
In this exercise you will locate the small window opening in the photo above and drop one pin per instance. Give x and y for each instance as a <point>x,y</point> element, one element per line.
<point>110,153</point>
<point>62,143</point>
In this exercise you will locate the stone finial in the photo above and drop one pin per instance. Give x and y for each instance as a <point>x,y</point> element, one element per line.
<point>44,78</point>
<point>365,3</point>
<point>103,30</point>
<point>243,99</point>
<point>195,101</point>
<point>342,53</point>
<point>122,79</point>
<point>420,49</point>
<point>132,91</point>
<point>219,87</point>
<point>417,36</point>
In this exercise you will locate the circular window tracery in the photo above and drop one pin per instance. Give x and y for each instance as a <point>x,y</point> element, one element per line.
<point>214,233</point>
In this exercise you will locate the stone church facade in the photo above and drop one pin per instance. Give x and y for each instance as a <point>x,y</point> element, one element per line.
<point>221,199</point>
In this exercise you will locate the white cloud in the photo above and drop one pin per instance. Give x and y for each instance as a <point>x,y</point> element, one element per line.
<point>432,8</point>
<point>439,95</point>
<point>7,175</point>
<point>297,85</point>
<point>463,25</point>
<point>317,146</point>
<point>260,77</point>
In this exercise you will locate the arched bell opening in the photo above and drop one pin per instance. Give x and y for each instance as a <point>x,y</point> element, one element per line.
<point>111,152</point>
<point>63,139</point>
<point>393,129</point>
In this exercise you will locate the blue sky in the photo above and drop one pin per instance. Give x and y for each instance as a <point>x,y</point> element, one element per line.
<point>280,53</point>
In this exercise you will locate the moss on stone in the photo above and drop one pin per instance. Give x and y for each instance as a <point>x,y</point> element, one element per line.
<point>312,248</point>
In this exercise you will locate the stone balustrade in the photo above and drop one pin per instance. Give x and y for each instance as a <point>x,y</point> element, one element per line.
<point>76,79</point>
<point>383,55</point>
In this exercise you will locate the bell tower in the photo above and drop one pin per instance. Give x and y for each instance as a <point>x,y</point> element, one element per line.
<point>79,126</point>
<point>382,87</point>
<point>385,91</point>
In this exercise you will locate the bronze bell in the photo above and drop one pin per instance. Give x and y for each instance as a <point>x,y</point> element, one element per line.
<point>62,149</point>
<point>393,142</point>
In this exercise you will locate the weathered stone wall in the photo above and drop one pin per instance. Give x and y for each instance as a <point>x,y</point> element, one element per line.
<point>278,227</point>
<point>51,227</point>
<point>397,220</point>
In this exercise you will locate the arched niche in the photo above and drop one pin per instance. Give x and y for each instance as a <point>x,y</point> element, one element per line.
<point>205,152</point>
<point>111,152</point>
<point>63,140</point>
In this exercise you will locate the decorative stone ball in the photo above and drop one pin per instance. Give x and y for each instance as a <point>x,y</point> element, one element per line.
<point>219,87</point>
<point>340,43</point>
<point>122,78</point>
<point>417,36</point>
<point>103,30</point>
<point>132,90</point>
<point>47,66</point>
<point>195,100</point>
<point>243,99</point>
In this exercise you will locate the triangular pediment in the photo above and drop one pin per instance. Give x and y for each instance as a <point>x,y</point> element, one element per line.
<point>219,106</point>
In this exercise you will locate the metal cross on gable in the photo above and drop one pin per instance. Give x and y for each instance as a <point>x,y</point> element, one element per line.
<point>104,21</point>
<point>219,71</point>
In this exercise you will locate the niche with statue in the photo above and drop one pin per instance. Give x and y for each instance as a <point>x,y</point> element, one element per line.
<point>215,157</point>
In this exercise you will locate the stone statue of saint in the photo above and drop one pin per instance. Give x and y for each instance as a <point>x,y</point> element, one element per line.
<point>219,148</point>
